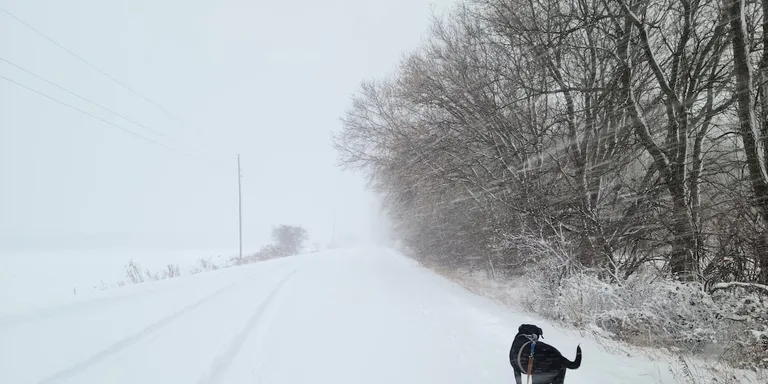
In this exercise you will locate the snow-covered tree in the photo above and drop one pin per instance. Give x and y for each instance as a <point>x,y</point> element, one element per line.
<point>289,238</point>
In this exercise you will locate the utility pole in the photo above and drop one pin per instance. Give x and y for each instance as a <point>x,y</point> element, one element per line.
<point>333,233</point>
<point>240,204</point>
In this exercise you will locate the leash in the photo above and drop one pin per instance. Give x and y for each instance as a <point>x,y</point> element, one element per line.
<point>530,362</point>
<point>532,341</point>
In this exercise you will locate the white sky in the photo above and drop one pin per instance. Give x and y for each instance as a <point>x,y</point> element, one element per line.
<point>265,79</point>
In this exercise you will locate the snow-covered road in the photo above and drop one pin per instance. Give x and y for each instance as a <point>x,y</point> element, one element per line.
<point>352,316</point>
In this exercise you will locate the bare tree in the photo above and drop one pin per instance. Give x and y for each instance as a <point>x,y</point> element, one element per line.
<point>600,123</point>
<point>289,238</point>
<point>754,135</point>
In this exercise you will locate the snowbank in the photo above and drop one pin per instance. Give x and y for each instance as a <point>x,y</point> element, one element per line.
<point>708,336</point>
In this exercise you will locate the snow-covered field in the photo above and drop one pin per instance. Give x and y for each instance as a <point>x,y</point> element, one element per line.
<point>344,316</point>
<point>40,278</point>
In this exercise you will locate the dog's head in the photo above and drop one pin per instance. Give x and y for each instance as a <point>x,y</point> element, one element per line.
<point>530,329</point>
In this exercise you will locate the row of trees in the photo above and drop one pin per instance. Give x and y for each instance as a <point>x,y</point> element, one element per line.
<point>633,132</point>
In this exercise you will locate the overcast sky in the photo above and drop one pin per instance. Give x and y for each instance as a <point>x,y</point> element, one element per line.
<point>266,79</point>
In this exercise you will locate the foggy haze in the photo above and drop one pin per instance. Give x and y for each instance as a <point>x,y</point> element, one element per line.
<point>267,80</point>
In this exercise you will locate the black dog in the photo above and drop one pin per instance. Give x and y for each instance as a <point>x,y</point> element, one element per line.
<point>549,365</point>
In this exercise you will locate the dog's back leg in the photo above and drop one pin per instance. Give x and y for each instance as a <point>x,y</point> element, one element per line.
<point>560,378</point>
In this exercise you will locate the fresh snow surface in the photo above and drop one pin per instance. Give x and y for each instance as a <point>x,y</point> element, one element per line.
<point>46,277</point>
<point>345,316</point>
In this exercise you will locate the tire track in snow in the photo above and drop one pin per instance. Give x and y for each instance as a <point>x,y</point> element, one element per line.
<point>10,320</point>
<point>222,361</point>
<point>136,337</point>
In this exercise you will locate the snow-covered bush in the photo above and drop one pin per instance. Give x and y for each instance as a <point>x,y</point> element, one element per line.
<point>649,311</point>
<point>646,309</point>
<point>696,371</point>
<point>135,276</point>
<point>206,265</point>
<point>133,272</point>
<point>236,260</point>
<point>270,251</point>
<point>745,312</point>
<point>660,313</point>
<point>171,271</point>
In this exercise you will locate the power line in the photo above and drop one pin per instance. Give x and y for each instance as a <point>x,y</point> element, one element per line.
<point>100,119</point>
<point>167,112</point>
<point>88,63</point>
<point>89,101</point>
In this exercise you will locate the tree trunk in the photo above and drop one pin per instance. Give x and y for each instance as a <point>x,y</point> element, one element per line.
<point>747,119</point>
<point>682,260</point>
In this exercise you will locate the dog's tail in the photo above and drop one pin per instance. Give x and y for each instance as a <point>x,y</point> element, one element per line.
<point>575,363</point>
